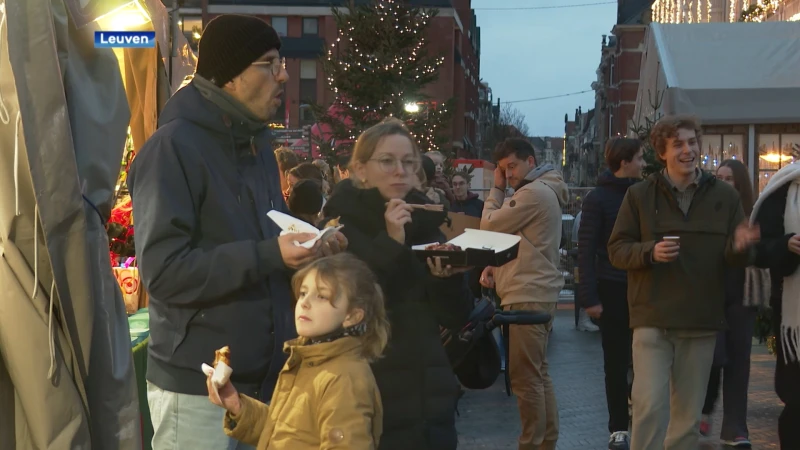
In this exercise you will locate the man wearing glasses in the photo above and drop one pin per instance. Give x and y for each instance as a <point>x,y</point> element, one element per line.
<point>215,267</point>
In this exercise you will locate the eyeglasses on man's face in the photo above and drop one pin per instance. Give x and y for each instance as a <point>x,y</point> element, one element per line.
<point>389,164</point>
<point>276,64</point>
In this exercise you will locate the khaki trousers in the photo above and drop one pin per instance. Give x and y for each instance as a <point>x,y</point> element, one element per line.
<point>531,382</point>
<point>671,371</point>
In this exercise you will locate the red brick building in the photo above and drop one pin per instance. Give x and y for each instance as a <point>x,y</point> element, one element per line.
<point>307,28</point>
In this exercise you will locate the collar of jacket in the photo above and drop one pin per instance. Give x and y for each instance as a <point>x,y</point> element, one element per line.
<point>703,180</point>
<point>316,354</point>
<point>240,116</point>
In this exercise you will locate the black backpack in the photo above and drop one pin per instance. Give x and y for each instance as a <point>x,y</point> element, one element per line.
<point>472,350</point>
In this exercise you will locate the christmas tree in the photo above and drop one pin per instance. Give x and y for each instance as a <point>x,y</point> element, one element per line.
<point>378,67</point>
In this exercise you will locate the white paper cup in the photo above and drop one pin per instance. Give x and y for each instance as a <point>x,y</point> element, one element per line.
<point>675,239</point>
<point>222,373</point>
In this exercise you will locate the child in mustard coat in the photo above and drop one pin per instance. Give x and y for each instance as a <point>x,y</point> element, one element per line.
<point>326,396</point>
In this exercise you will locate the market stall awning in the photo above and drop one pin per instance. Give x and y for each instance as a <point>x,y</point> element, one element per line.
<point>725,73</point>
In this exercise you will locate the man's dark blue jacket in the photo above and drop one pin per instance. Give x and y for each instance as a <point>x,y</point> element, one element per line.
<point>208,254</point>
<point>599,212</point>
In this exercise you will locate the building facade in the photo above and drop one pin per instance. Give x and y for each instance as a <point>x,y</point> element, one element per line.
<point>307,27</point>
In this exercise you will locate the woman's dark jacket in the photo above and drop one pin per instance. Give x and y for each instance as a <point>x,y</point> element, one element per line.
<point>773,253</point>
<point>417,384</point>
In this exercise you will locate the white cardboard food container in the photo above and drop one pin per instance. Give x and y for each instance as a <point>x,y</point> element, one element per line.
<point>291,224</point>
<point>480,248</point>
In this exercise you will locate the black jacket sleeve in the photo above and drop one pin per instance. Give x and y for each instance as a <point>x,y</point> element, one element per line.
<point>590,237</point>
<point>772,252</point>
<point>450,299</point>
<point>166,198</point>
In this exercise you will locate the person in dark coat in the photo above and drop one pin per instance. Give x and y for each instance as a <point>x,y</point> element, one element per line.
<point>465,202</point>
<point>602,288</point>
<point>731,366</point>
<point>213,263</point>
<point>777,212</point>
<point>417,384</point>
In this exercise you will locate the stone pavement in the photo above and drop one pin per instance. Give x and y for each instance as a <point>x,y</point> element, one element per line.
<point>489,418</point>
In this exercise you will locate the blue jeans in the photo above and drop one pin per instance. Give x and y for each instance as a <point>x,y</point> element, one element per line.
<point>187,422</point>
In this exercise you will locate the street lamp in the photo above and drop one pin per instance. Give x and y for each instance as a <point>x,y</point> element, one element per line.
<point>412,108</point>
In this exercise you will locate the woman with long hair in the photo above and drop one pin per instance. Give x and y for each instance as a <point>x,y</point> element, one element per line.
<point>376,207</point>
<point>777,213</point>
<point>732,356</point>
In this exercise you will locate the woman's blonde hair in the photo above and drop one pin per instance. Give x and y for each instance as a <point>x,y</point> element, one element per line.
<point>368,141</point>
<point>348,277</point>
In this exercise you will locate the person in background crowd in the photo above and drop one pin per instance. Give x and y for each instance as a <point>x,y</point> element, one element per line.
<point>342,169</point>
<point>732,354</point>
<point>777,212</point>
<point>287,160</point>
<point>584,320</point>
<point>466,202</point>
<point>326,396</point>
<point>602,288</point>
<point>327,175</point>
<point>531,282</point>
<point>306,200</point>
<point>303,171</point>
<point>214,265</point>
<point>428,172</point>
<point>674,234</point>
<point>416,381</point>
<point>439,180</point>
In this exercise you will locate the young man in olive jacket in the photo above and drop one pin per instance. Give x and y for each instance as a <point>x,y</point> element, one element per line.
<point>675,233</point>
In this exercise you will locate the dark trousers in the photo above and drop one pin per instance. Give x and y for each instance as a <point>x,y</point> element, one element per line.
<point>733,372</point>
<point>787,386</point>
<point>617,339</point>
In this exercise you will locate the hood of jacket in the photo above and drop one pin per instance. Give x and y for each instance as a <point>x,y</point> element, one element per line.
<point>211,108</point>
<point>471,196</point>
<point>547,174</point>
<point>364,209</point>
<point>607,179</point>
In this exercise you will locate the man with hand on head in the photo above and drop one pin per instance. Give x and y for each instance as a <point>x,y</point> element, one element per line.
<point>215,266</point>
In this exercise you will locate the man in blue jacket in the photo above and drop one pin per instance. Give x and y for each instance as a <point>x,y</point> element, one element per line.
<point>215,267</point>
<point>602,289</point>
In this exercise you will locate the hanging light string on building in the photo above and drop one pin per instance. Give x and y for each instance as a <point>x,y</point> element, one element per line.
<point>548,97</point>
<point>521,8</point>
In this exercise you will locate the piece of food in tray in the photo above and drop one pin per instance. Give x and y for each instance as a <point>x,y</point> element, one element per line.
<point>222,355</point>
<point>333,223</point>
<point>443,247</point>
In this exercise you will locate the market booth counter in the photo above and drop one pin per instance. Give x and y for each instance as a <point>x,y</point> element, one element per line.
<point>741,79</point>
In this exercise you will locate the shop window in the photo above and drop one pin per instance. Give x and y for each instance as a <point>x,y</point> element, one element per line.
<point>310,26</point>
<point>308,90</point>
<point>281,25</point>
<point>775,151</point>
<point>719,147</point>
<point>192,28</point>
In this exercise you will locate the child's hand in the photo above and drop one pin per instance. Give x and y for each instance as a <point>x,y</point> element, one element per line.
<point>226,397</point>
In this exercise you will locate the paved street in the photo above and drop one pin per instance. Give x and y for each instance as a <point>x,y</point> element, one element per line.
<point>489,418</point>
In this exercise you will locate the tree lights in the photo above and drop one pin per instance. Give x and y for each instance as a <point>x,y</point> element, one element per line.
<point>378,67</point>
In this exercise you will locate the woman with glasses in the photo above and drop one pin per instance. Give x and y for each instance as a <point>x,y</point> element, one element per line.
<point>416,381</point>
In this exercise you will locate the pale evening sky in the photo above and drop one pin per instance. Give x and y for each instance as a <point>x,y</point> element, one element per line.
<point>540,53</point>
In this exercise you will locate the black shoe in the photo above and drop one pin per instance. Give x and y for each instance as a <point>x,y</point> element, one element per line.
<point>619,440</point>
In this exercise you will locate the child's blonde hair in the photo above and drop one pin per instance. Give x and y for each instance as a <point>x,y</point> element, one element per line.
<point>349,277</point>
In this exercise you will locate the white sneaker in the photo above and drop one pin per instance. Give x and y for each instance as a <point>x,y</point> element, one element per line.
<point>585,323</point>
<point>619,440</point>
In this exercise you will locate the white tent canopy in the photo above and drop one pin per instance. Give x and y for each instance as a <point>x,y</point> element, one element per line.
<point>724,73</point>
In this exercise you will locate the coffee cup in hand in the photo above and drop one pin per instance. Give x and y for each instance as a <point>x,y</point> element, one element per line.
<point>675,239</point>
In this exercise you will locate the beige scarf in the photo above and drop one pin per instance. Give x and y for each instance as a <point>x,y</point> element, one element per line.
<point>790,322</point>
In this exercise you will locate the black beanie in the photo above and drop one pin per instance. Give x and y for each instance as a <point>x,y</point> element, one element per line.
<point>306,197</point>
<point>232,42</point>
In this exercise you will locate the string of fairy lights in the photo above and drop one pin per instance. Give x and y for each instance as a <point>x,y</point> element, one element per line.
<point>394,20</point>
<point>700,11</point>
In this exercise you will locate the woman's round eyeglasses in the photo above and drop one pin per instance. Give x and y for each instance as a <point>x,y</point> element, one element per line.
<point>277,65</point>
